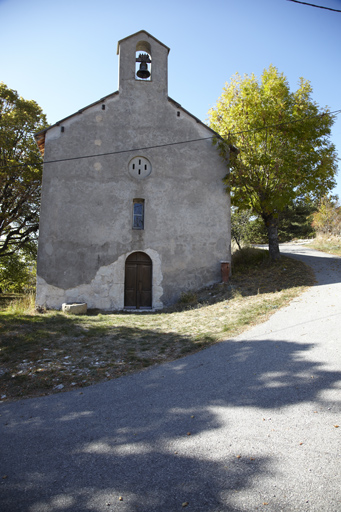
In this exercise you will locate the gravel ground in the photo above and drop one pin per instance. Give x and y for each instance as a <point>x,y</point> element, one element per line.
<point>248,424</point>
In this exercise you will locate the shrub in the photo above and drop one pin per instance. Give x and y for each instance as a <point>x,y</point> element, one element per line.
<point>24,305</point>
<point>249,257</point>
<point>188,298</point>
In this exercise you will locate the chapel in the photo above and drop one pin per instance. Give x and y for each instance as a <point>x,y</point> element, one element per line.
<point>134,211</point>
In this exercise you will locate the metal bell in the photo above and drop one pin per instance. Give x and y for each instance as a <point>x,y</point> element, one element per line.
<point>143,72</point>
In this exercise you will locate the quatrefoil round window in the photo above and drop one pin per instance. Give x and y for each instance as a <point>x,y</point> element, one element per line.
<point>139,167</point>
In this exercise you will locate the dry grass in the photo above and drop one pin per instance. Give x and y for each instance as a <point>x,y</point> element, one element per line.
<point>329,244</point>
<point>46,353</point>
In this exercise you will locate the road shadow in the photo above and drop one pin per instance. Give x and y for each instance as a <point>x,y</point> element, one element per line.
<point>150,437</point>
<point>327,267</point>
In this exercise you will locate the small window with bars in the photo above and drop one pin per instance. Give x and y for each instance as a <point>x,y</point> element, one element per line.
<point>138,214</point>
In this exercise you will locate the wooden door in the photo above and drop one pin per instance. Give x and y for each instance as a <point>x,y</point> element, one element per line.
<point>138,281</point>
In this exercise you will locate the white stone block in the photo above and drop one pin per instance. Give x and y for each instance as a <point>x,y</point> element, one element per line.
<point>75,308</point>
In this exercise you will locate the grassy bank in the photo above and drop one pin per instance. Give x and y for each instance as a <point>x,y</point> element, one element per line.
<point>328,244</point>
<point>44,353</point>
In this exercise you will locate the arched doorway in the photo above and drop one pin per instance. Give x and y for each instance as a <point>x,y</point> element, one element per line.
<point>138,281</point>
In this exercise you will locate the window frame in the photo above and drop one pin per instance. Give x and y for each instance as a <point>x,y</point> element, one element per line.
<point>138,218</point>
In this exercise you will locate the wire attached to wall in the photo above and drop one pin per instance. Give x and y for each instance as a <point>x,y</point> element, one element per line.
<point>266,127</point>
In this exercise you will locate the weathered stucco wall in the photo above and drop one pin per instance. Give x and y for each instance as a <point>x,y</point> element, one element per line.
<point>105,290</point>
<point>86,215</point>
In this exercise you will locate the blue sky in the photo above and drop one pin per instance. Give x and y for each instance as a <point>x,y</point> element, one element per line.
<point>62,53</point>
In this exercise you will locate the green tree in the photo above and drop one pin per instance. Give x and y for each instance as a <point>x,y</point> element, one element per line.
<point>327,219</point>
<point>283,147</point>
<point>241,222</point>
<point>295,221</point>
<point>20,171</point>
<point>17,272</point>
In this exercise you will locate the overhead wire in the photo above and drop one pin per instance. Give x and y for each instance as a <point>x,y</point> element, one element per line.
<point>144,148</point>
<point>313,5</point>
<point>265,127</point>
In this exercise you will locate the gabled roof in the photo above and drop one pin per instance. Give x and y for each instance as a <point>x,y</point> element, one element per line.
<point>40,136</point>
<point>140,32</point>
<point>196,118</point>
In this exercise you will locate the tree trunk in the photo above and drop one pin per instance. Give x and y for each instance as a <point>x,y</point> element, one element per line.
<point>237,242</point>
<point>271,226</point>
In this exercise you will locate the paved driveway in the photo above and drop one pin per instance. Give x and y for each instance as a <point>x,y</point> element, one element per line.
<point>248,424</point>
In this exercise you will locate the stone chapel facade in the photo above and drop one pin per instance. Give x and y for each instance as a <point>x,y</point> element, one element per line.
<point>134,211</point>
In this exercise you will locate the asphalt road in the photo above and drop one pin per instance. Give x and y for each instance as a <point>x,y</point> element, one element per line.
<point>248,424</point>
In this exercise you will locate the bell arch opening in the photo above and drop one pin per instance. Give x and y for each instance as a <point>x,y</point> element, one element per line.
<point>143,61</point>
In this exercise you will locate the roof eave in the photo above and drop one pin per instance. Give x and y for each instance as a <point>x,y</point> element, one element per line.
<point>216,134</point>
<point>139,32</point>
<point>40,136</point>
